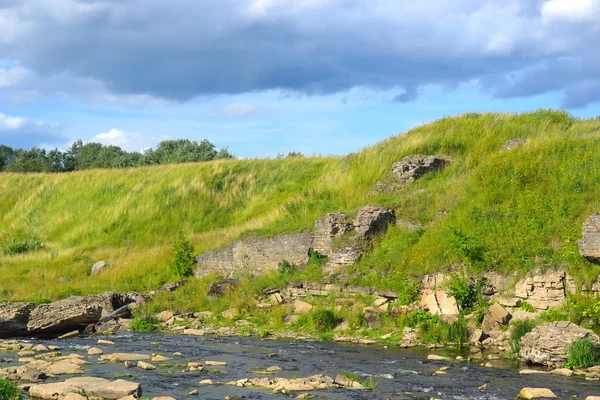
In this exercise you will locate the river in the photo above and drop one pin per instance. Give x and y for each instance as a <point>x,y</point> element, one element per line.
<point>399,373</point>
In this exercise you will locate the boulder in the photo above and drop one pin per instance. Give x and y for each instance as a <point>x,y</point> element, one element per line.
<point>231,313</point>
<point>14,317</point>
<point>106,389</point>
<point>439,303</point>
<point>536,393</point>
<point>327,228</point>
<point>173,286</point>
<point>120,357</point>
<point>51,390</point>
<point>64,315</point>
<point>218,289</point>
<point>301,307</point>
<point>513,143</point>
<point>548,344</point>
<point>413,167</point>
<point>499,314</point>
<point>589,245</point>
<point>372,317</point>
<point>164,316</point>
<point>99,267</point>
<point>372,220</point>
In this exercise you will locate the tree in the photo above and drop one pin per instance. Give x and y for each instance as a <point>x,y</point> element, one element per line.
<point>183,261</point>
<point>34,160</point>
<point>6,155</point>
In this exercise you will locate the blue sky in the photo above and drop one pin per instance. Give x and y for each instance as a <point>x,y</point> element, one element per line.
<point>270,76</point>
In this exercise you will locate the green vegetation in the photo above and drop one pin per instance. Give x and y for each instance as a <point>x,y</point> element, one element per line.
<point>583,353</point>
<point>9,391</point>
<point>323,320</point>
<point>521,328</point>
<point>467,291</point>
<point>183,262</point>
<point>21,246</point>
<point>434,330</point>
<point>489,209</point>
<point>144,323</point>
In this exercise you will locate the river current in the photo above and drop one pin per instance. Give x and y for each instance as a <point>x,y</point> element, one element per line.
<point>398,373</point>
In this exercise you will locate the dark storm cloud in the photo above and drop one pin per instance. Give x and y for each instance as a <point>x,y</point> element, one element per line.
<point>182,49</point>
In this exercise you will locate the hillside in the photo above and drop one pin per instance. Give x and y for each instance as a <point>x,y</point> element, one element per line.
<point>490,209</point>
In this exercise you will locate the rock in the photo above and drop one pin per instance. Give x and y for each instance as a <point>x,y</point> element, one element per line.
<point>513,143</point>
<point>164,316</point>
<point>130,364</point>
<point>120,357</point>
<point>435,357</point>
<point>64,367</point>
<point>215,363</point>
<point>94,351</point>
<point>476,336</point>
<point>256,255</point>
<point>327,228</point>
<point>509,301</point>
<point>372,317</point>
<point>145,366</point>
<point>173,286</point>
<point>51,390</point>
<point>193,393</point>
<point>159,358</point>
<point>380,301</point>
<point>99,267</point>
<point>544,289</point>
<point>14,318</point>
<point>548,344</point>
<point>68,335</point>
<point>231,313</point>
<point>163,398</point>
<point>276,298</point>
<point>194,332</point>
<point>413,167</point>
<point>105,342</point>
<point>218,289</point>
<point>439,303</point>
<point>291,319</point>
<point>536,393</point>
<point>206,382</point>
<point>371,221</point>
<point>301,307</point>
<point>499,314</point>
<point>483,387</point>
<point>106,389</point>
<point>39,347</point>
<point>562,372</point>
<point>589,245</point>
<point>74,396</point>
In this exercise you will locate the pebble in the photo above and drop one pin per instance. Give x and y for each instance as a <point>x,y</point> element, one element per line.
<point>104,341</point>
<point>215,363</point>
<point>193,392</point>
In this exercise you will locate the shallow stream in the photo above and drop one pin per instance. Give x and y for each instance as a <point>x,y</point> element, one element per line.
<point>398,373</point>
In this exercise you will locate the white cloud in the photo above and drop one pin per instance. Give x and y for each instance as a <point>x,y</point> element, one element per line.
<point>13,76</point>
<point>572,11</point>
<point>130,141</point>
<point>11,123</point>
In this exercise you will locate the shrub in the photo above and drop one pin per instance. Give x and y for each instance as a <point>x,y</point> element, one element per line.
<point>144,323</point>
<point>467,291</point>
<point>22,246</point>
<point>323,320</point>
<point>457,332</point>
<point>525,306</point>
<point>521,328</point>
<point>183,261</point>
<point>287,268</point>
<point>583,353</point>
<point>9,391</point>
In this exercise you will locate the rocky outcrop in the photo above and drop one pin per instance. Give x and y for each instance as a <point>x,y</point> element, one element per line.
<point>257,256</point>
<point>513,143</point>
<point>439,303</point>
<point>74,313</point>
<point>494,318</point>
<point>413,167</point>
<point>589,245</point>
<point>14,317</point>
<point>327,229</point>
<point>548,344</point>
<point>370,221</point>
<point>544,289</point>
<point>96,387</point>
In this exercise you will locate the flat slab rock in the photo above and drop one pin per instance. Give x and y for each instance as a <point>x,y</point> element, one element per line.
<point>98,387</point>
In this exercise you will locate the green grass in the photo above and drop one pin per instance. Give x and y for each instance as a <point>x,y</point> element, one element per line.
<point>9,391</point>
<point>583,353</point>
<point>521,328</point>
<point>507,211</point>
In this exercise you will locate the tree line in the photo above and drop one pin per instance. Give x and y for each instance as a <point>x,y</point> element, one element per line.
<point>81,156</point>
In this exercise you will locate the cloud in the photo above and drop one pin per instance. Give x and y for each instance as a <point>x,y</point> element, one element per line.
<point>19,132</point>
<point>129,141</point>
<point>235,110</point>
<point>150,50</point>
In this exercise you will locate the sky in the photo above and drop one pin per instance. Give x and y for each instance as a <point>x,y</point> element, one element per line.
<point>263,77</point>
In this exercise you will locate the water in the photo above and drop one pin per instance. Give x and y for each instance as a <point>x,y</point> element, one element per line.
<point>399,373</point>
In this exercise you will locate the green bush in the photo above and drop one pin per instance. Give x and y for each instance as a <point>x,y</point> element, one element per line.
<point>287,268</point>
<point>467,291</point>
<point>525,306</point>
<point>183,261</point>
<point>22,246</point>
<point>583,353</point>
<point>144,323</point>
<point>521,328</point>
<point>456,332</point>
<point>9,391</point>
<point>323,320</point>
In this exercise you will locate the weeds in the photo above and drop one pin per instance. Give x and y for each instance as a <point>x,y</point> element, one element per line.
<point>144,323</point>
<point>583,353</point>
<point>323,320</point>
<point>22,246</point>
<point>9,391</point>
<point>521,328</point>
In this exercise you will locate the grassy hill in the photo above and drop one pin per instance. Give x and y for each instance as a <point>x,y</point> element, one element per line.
<point>490,209</point>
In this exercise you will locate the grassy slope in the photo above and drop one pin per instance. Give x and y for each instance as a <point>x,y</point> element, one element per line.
<point>506,211</point>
